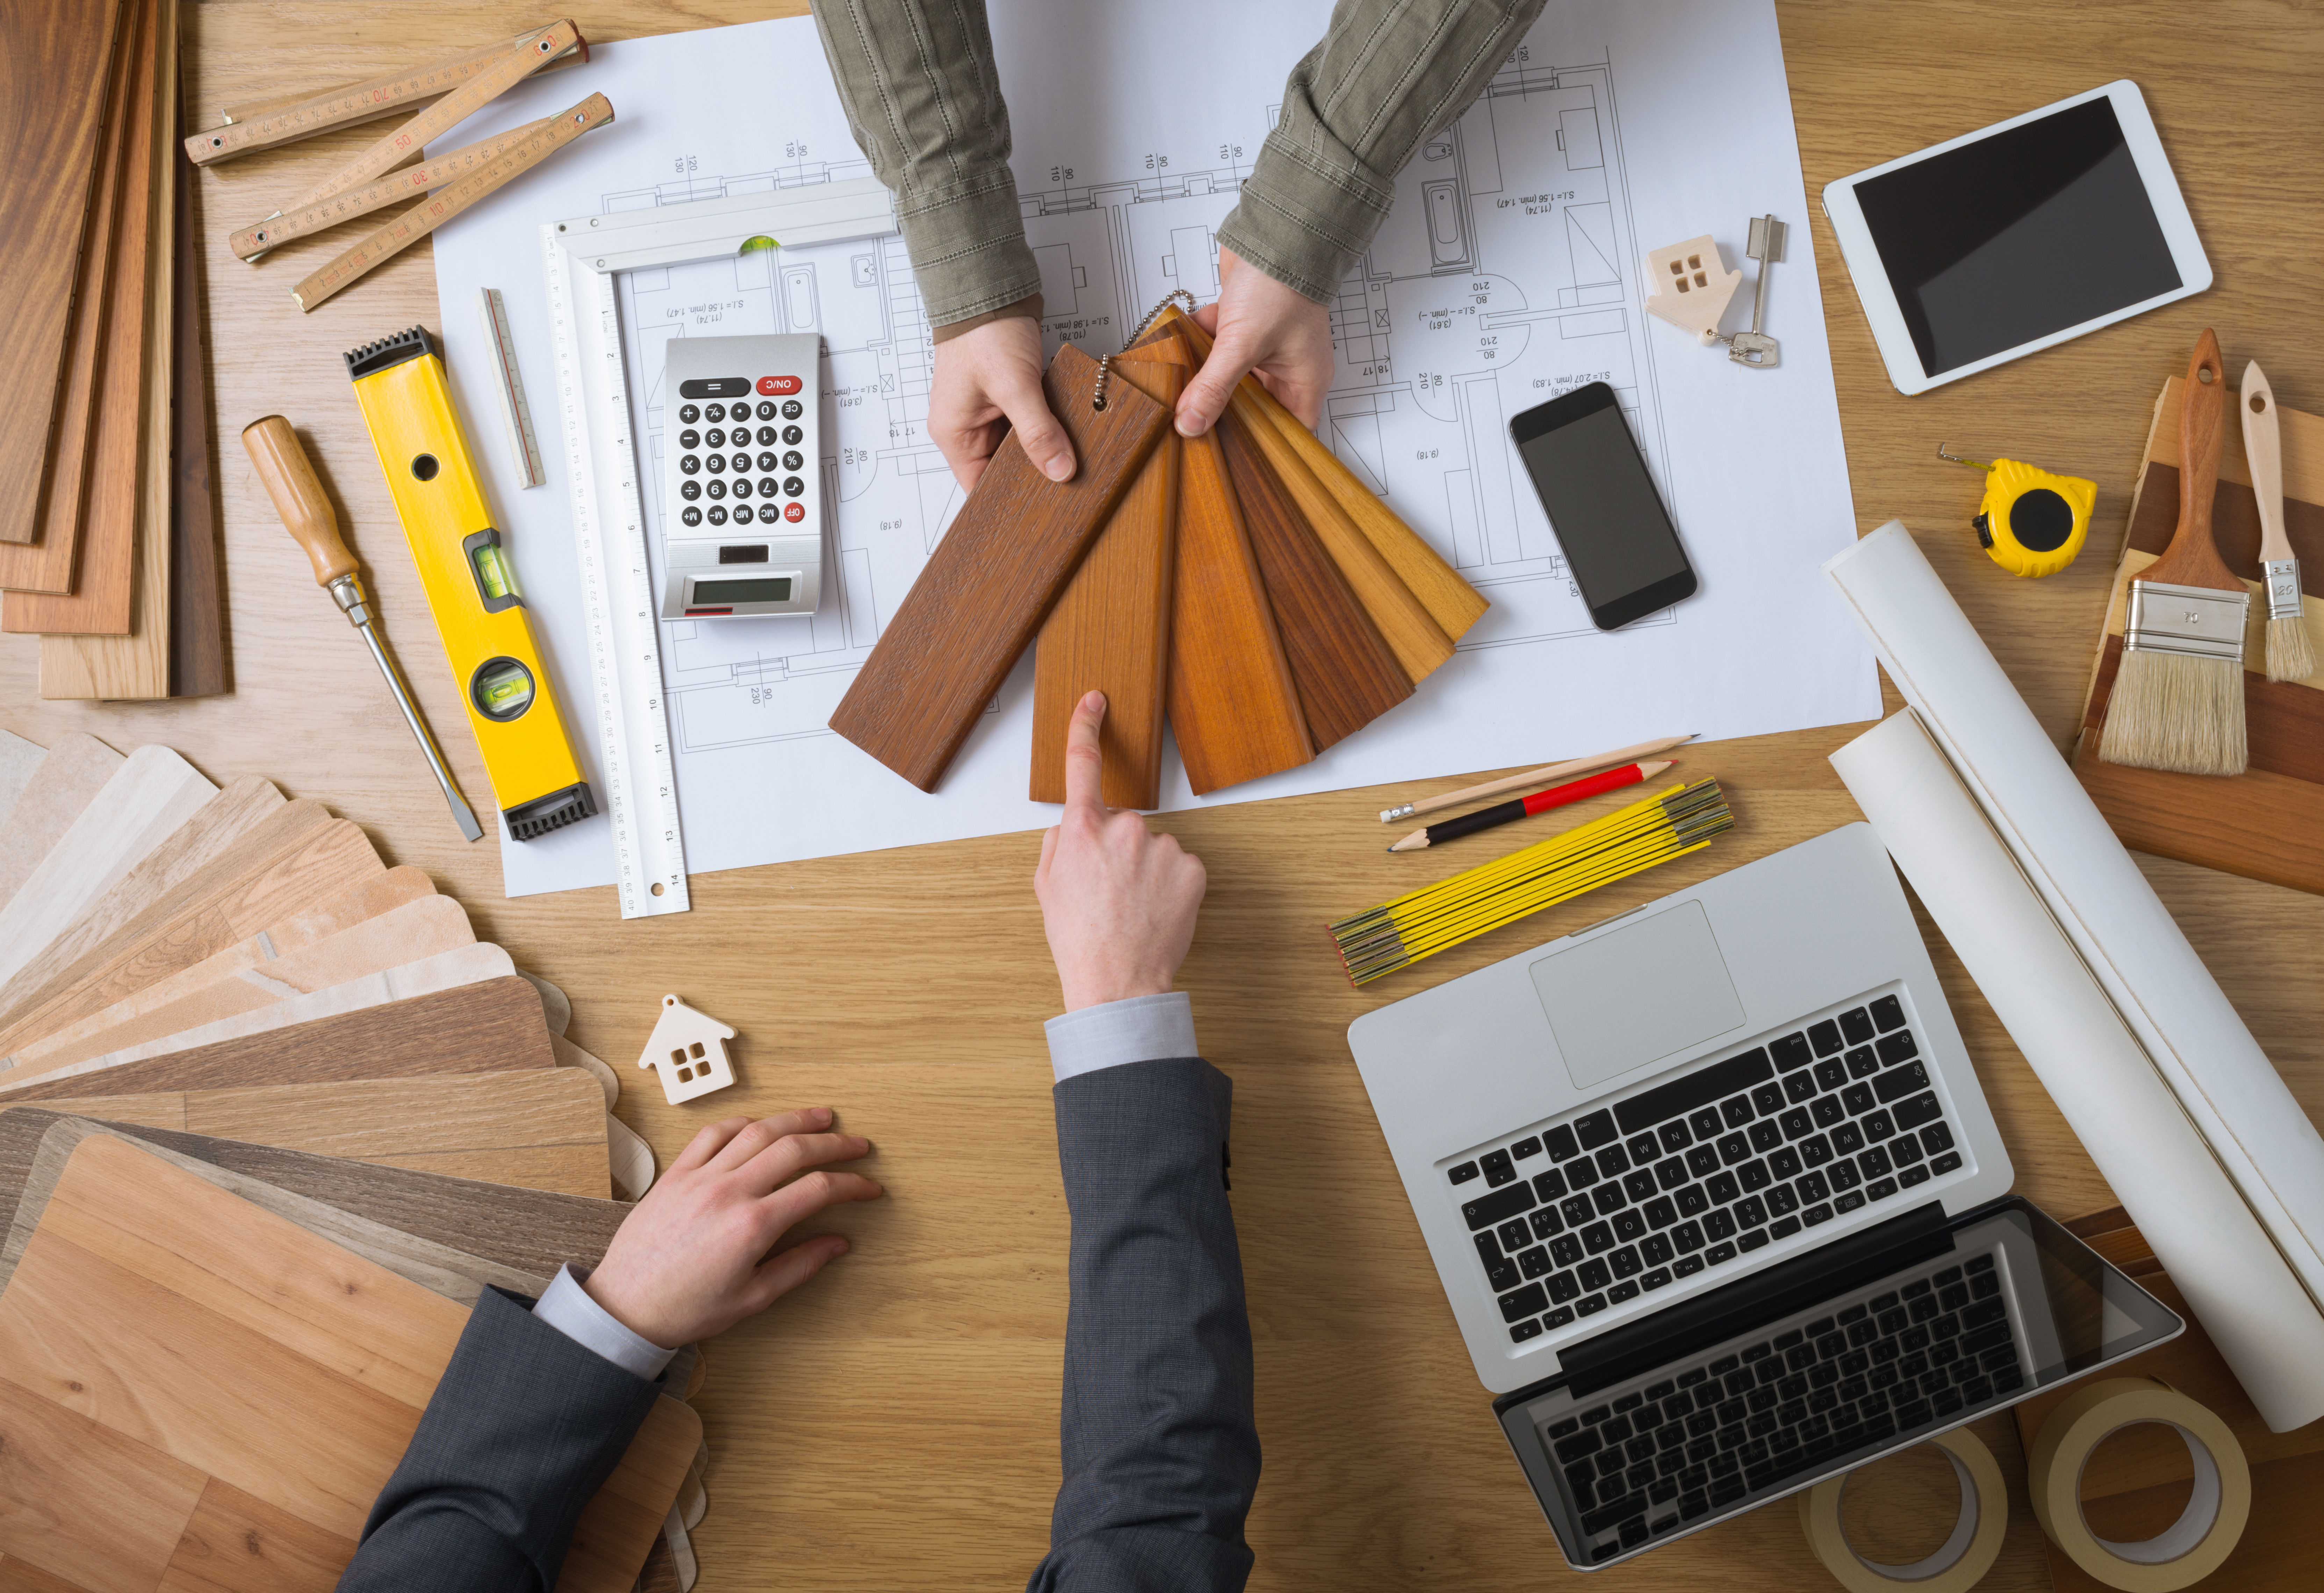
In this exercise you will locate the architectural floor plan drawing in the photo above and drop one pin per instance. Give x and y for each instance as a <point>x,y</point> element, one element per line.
<point>1507,272</point>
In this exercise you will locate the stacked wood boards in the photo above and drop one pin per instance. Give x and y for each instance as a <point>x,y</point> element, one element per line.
<point>1244,585</point>
<point>98,554</point>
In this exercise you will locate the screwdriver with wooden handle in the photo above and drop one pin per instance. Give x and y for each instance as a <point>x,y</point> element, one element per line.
<point>289,480</point>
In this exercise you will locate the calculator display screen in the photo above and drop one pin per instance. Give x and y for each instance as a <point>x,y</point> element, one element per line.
<point>2007,240</point>
<point>763,590</point>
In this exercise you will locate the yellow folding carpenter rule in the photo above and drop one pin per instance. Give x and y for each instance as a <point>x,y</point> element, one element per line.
<point>470,583</point>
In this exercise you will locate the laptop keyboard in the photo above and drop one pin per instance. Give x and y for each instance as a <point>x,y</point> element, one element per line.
<point>1754,1419</point>
<point>1695,1174</point>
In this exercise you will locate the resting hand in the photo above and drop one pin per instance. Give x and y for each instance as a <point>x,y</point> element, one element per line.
<point>1260,326</point>
<point>691,1261</point>
<point>987,384</point>
<point>1118,901</point>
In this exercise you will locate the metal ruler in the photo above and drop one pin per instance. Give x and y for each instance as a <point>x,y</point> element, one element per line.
<point>543,140</point>
<point>619,605</point>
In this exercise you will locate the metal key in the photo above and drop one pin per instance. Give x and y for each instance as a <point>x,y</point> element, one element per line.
<point>1754,347</point>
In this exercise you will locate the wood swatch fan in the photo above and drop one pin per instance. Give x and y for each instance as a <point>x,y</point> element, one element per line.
<point>1244,585</point>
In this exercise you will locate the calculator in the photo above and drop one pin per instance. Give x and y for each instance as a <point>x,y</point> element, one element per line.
<point>743,477</point>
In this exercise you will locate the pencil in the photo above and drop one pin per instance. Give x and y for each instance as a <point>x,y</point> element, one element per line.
<point>1486,818</point>
<point>1537,777</point>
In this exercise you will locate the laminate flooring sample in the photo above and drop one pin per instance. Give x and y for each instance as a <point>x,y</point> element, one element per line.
<point>139,1269</point>
<point>1346,675</point>
<point>991,582</point>
<point>197,658</point>
<point>488,1028</point>
<point>1111,630</point>
<point>18,759</point>
<point>67,781</point>
<point>540,1129</point>
<point>53,77</point>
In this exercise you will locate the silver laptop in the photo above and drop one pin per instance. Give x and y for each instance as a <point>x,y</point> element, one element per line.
<point>1705,1143</point>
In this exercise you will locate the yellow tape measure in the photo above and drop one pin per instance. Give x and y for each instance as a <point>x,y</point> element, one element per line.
<point>2032,523</point>
<point>536,780</point>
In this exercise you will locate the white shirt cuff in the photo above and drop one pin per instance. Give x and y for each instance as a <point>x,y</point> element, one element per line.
<point>567,1308</point>
<point>1141,1028</point>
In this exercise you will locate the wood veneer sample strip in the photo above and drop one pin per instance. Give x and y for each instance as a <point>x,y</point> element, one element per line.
<point>218,823</point>
<point>131,662</point>
<point>67,781</point>
<point>285,1006</point>
<point>1346,675</point>
<point>992,580</point>
<point>37,553</point>
<point>234,898</point>
<point>494,1027</point>
<point>1111,630</point>
<point>151,796</point>
<point>139,1268</point>
<point>1234,708</point>
<point>102,587</point>
<point>1451,601</point>
<point>197,658</point>
<point>53,79</point>
<point>416,930</point>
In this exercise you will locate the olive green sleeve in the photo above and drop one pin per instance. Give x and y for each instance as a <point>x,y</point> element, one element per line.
<point>1387,75</point>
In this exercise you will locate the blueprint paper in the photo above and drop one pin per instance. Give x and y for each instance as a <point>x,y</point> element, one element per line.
<point>1510,271</point>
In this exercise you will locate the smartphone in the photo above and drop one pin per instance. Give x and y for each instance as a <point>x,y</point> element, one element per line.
<point>1619,543</point>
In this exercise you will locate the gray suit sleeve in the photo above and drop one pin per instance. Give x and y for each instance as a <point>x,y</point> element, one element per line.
<point>1160,1451</point>
<point>523,1428</point>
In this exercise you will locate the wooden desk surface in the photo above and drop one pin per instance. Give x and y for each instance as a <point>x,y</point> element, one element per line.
<point>895,1426</point>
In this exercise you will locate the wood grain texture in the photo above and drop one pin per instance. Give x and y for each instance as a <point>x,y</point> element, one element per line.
<point>52,91</point>
<point>488,1028</point>
<point>238,808</point>
<point>1111,630</point>
<point>992,580</point>
<point>67,781</point>
<point>99,599</point>
<point>960,1271</point>
<point>42,561</point>
<point>303,858</point>
<point>151,794</point>
<point>413,931</point>
<point>528,1230</point>
<point>197,657</point>
<point>1234,708</point>
<point>1346,673</point>
<point>155,1268</point>
<point>134,664</point>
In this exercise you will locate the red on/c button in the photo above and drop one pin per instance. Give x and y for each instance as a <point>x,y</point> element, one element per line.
<point>772,386</point>
<point>794,512</point>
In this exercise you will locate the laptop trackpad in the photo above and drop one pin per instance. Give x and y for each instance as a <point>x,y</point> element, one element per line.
<point>1638,995</point>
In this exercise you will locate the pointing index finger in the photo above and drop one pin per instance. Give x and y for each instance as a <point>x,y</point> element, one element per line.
<point>1084,759</point>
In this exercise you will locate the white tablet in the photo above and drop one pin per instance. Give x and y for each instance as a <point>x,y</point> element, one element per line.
<point>2016,236</point>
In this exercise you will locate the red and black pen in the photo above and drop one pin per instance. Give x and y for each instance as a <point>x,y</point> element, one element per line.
<point>1503,813</point>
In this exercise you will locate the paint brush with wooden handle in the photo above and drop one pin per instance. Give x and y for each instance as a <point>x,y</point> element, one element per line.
<point>2178,700</point>
<point>289,479</point>
<point>2289,655</point>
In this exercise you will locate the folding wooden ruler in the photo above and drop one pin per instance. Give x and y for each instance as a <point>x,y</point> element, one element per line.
<point>620,603</point>
<point>450,90</point>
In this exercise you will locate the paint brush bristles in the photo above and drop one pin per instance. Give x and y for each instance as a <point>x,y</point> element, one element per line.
<point>1437,917</point>
<point>2173,711</point>
<point>2290,656</point>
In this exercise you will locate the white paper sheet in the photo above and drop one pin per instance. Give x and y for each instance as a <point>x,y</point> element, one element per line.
<point>1510,271</point>
<point>2164,1085</point>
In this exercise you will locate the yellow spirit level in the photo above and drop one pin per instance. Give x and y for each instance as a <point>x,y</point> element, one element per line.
<point>2032,523</point>
<point>470,584</point>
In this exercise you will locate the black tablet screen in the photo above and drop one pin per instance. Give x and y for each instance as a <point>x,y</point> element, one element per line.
<point>2016,236</point>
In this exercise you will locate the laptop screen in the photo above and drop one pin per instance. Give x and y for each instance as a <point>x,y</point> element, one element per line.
<point>1821,1364</point>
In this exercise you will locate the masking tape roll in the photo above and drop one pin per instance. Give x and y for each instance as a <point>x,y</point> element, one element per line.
<point>2206,1531</point>
<point>1959,1564</point>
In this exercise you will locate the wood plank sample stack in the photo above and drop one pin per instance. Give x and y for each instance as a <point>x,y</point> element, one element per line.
<point>1245,582</point>
<point>109,544</point>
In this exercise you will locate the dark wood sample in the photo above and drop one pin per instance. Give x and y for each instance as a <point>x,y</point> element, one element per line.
<point>197,612</point>
<point>1111,630</point>
<point>55,60</point>
<point>2235,525</point>
<point>1346,673</point>
<point>480,1028</point>
<point>993,576</point>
